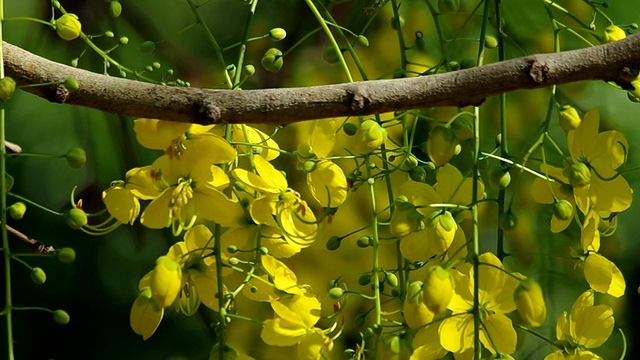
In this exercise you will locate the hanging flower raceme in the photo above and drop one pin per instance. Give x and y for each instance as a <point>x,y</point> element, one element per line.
<point>441,230</point>
<point>496,289</point>
<point>186,275</point>
<point>278,205</point>
<point>588,326</point>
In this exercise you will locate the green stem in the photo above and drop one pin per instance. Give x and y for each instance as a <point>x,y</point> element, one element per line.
<point>31,202</point>
<point>243,46</point>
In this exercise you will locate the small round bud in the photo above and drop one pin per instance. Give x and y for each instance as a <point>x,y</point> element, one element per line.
<point>7,88</point>
<point>350,129</point>
<point>74,62</point>
<point>77,218</point>
<point>76,158</point>
<point>308,166</point>
<point>124,40</point>
<point>148,68</point>
<point>115,9</point>
<point>563,210</point>
<point>363,241</point>
<point>61,317</point>
<point>232,249</point>
<point>71,84</point>
<point>109,34</point>
<point>362,40</point>
<point>277,34</point>
<point>38,276</point>
<point>17,210</point>
<point>68,26</point>
<point>392,279</point>
<point>234,261</point>
<point>569,118</point>
<point>263,250</point>
<point>369,137</point>
<point>578,174</point>
<point>499,177</point>
<point>364,279</point>
<point>467,63</point>
<point>66,255</point>
<point>333,243</point>
<point>418,174</point>
<point>329,54</point>
<point>56,4</point>
<point>336,292</point>
<point>8,182</point>
<point>156,65</point>
<point>453,65</point>
<point>272,60</point>
<point>249,70</point>
<point>490,42</point>
<point>147,47</point>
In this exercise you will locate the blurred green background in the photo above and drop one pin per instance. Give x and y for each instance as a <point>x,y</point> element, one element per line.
<point>99,288</point>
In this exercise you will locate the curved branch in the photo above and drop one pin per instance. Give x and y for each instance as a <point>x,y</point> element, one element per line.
<point>618,62</point>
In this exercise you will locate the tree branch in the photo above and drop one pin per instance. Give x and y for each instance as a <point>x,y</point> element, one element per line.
<point>618,62</point>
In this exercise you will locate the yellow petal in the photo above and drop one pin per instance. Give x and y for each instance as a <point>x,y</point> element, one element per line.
<point>322,137</point>
<point>142,183</point>
<point>456,333</point>
<point>158,134</point>
<point>166,281</point>
<point>157,215</point>
<point>328,184</point>
<point>270,174</point>
<point>145,315</point>
<point>281,332</point>
<point>215,206</point>
<point>499,328</point>
<point>283,278</point>
<point>593,326</point>
<point>264,144</point>
<point>121,204</point>
<point>603,275</point>
<point>311,346</point>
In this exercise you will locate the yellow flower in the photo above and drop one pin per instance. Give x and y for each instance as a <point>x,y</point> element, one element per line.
<point>496,299</point>
<point>438,289</point>
<point>593,167</point>
<point>545,192</point>
<point>603,275</point>
<point>121,203</point>
<point>166,281</point>
<point>586,327</point>
<point>68,27</point>
<point>278,205</point>
<point>415,311</point>
<point>530,303</point>
<point>613,33</point>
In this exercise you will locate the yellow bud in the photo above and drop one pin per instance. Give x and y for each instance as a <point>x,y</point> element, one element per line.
<point>277,34</point>
<point>578,174</point>
<point>437,289</point>
<point>7,88</point>
<point>441,145</point>
<point>569,118</point>
<point>530,303</point>
<point>166,281</point>
<point>613,33</point>
<point>17,210</point>
<point>369,137</point>
<point>416,313</point>
<point>405,220</point>
<point>68,27</point>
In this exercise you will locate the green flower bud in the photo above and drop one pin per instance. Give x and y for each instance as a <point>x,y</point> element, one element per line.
<point>499,177</point>
<point>362,40</point>
<point>334,243</point>
<point>147,47</point>
<point>249,70</point>
<point>441,145</point>
<point>308,166</point>
<point>66,255</point>
<point>490,42</point>
<point>336,292</point>
<point>613,33</point>
<point>76,218</point>
<point>74,62</point>
<point>530,303</point>
<point>76,158</point>
<point>391,279</point>
<point>277,34</point>
<point>71,84</point>
<point>329,54</point>
<point>8,182</point>
<point>38,276</point>
<point>569,118</point>
<point>234,261</point>
<point>350,129</point>
<point>156,65</point>
<point>124,40</point>
<point>418,173</point>
<point>578,174</point>
<point>363,241</point>
<point>272,60</point>
<point>109,34</point>
<point>7,88</point>
<point>369,137</point>
<point>68,26</point>
<point>61,317</point>
<point>364,279</point>
<point>115,9</point>
<point>467,63</point>
<point>563,209</point>
<point>263,250</point>
<point>448,5</point>
<point>17,210</point>
<point>359,320</point>
<point>453,65</point>
<point>437,289</point>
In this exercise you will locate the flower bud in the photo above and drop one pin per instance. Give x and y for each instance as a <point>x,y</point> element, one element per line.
<point>124,40</point>
<point>418,174</point>
<point>17,210</point>
<point>467,62</point>
<point>350,129</point>
<point>109,34</point>
<point>249,70</point>
<point>8,182</point>
<point>68,27</point>
<point>499,177</point>
<point>448,5</point>
<point>363,241</point>
<point>530,303</point>
<point>391,279</point>
<point>38,275</point>
<point>147,47</point>
<point>563,209</point>
<point>613,33</point>
<point>362,40</point>
<point>490,42</point>
<point>71,84</point>
<point>441,145</point>
<point>437,290</point>
<point>115,8</point>
<point>66,255</point>
<point>336,292</point>
<point>76,158</point>
<point>364,279</point>
<point>7,88</point>
<point>578,174</point>
<point>333,243</point>
<point>166,281</point>
<point>369,137</point>
<point>329,54</point>
<point>569,118</point>
<point>61,317</point>
<point>308,166</point>
<point>76,218</point>
<point>277,34</point>
<point>404,220</point>
<point>272,60</point>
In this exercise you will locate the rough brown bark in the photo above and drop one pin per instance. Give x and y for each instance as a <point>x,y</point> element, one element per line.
<point>618,62</point>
